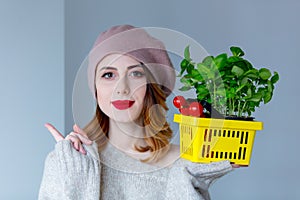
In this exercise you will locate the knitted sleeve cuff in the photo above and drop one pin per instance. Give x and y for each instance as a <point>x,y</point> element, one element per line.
<point>210,169</point>
<point>80,174</point>
<point>203,175</point>
<point>72,161</point>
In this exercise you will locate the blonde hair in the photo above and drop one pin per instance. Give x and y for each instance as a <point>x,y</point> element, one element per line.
<point>157,130</point>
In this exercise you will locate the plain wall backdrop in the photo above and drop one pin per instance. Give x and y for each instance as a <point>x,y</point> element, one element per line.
<point>32,92</point>
<point>43,43</point>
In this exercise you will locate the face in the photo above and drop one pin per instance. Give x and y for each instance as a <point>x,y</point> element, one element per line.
<point>121,87</point>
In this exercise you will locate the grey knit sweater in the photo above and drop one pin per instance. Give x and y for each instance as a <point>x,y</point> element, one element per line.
<point>111,175</point>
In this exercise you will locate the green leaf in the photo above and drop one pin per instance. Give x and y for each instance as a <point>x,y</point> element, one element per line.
<point>249,93</point>
<point>228,76</point>
<point>219,81</point>
<point>190,68</point>
<point>183,65</point>
<point>237,51</point>
<point>194,72</point>
<point>198,78</point>
<point>237,71</point>
<point>209,100</point>
<point>244,81</point>
<point>262,91</point>
<point>186,81</point>
<point>233,59</point>
<point>264,73</point>
<point>187,55</point>
<point>232,90</point>
<point>203,94</point>
<point>202,90</point>
<point>203,69</point>
<point>221,92</point>
<point>262,82</point>
<point>275,78</point>
<point>242,64</point>
<point>233,83</point>
<point>185,88</point>
<point>270,86</point>
<point>267,97</point>
<point>239,88</point>
<point>249,65</point>
<point>252,73</point>
<point>220,60</point>
<point>229,95</point>
<point>208,60</point>
<point>256,98</point>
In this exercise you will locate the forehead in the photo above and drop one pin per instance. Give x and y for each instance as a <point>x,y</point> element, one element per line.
<point>118,60</point>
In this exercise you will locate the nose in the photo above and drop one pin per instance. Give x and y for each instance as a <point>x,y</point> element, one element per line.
<point>123,87</point>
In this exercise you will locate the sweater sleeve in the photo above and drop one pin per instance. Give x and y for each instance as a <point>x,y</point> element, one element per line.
<point>203,175</point>
<point>69,174</point>
<point>191,181</point>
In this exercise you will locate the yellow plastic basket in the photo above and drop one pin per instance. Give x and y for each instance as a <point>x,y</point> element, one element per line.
<point>208,140</point>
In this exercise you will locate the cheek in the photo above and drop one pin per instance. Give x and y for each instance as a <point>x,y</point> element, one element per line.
<point>140,92</point>
<point>103,96</point>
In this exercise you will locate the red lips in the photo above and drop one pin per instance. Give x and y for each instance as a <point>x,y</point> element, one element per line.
<point>122,104</point>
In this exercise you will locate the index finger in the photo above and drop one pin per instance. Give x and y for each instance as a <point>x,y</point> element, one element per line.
<point>55,133</point>
<point>77,129</point>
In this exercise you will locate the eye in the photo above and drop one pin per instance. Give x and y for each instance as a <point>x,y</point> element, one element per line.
<point>108,75</point>
<point>137,74</point>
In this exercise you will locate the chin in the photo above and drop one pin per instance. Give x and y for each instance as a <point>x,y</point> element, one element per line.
<point>129,115</point>
<point>124,117</point>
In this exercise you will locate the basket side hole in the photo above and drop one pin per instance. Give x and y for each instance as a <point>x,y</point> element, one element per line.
<point>242,138</point>
<point>246,137</point>
<point>205,134</point>
<point>233,133</point>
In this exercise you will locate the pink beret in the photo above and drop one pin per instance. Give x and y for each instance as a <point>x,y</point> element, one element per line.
<point>137,43</point>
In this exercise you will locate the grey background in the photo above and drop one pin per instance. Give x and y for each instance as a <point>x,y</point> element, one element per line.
<point>32,92</point>
<point>42,45</point>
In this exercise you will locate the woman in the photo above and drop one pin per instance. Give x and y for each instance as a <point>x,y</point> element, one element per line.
<point>124,152</point>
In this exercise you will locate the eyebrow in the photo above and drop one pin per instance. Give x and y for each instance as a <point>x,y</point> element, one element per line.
<point>128,68</point>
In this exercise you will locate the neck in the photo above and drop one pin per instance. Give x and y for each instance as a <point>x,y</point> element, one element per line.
<point>126,135</point>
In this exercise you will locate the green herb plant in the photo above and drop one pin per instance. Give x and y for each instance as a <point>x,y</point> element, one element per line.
<point>229,83</point>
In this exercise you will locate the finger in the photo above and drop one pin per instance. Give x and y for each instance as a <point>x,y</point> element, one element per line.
<point>75,145</point>
<point>81,149</point>
<point>83,139</point>
<point>77,129</point>
<point>55,133</point>
<point>235,166</point>
<point>75,141</point>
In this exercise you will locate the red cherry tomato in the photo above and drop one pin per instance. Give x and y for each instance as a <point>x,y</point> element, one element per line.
<point>179,101</point>
<point>184,110</point>
<point>195,109</point>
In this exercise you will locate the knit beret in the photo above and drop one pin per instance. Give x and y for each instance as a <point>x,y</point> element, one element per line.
<point>137,43</point>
